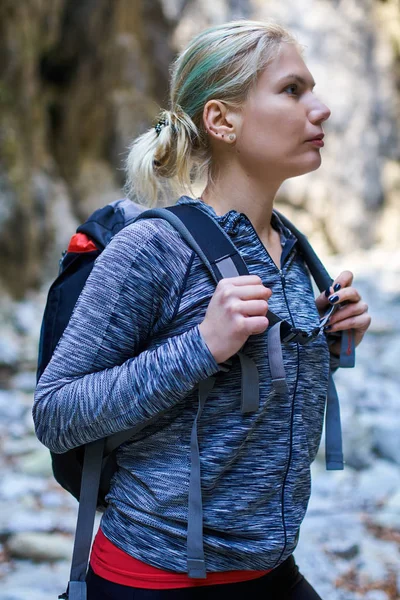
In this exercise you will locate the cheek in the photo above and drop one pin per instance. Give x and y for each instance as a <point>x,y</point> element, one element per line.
<point>271,137</point>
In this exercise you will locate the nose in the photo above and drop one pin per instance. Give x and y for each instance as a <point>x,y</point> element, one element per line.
<point>319,112</point>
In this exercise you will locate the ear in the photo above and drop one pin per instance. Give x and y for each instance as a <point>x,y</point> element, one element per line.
<point>220,120</point>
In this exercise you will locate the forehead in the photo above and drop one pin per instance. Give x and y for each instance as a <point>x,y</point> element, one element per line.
<point>288,64</point>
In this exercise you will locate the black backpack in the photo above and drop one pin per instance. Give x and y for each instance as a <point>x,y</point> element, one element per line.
<point>86,471</point>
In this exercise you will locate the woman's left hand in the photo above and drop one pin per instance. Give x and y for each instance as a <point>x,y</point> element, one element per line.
<point>352,311</point>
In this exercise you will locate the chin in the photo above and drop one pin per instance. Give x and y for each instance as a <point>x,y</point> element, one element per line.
<point>306,167</point>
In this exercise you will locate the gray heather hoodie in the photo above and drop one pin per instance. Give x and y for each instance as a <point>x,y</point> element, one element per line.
<point>133,349</point>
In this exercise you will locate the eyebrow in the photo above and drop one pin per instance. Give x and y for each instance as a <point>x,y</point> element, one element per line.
<point>298,78</point>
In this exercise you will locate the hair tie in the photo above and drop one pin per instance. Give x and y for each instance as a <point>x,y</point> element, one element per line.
<point>160,125</point>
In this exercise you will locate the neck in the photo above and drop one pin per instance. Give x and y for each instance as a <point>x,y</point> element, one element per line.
<point>233,189</point>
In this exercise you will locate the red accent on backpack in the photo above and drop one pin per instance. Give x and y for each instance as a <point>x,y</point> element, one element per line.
<point>80,242</point>
<point>349,343</point>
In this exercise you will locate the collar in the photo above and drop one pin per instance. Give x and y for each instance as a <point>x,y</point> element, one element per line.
<point>230,220</point>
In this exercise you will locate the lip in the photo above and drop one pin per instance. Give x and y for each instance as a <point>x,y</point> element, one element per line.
<point>319,137</point>
<point>316,142</point>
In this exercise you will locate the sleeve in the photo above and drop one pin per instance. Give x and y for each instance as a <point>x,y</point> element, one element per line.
<point>101,378</point>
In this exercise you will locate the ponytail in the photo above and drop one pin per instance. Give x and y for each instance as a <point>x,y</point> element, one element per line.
<point>159,162</point>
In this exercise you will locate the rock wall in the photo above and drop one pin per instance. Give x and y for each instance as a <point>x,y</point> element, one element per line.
<point>79,80</point>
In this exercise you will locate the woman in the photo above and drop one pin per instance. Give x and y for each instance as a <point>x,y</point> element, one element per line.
<point>150,325</point>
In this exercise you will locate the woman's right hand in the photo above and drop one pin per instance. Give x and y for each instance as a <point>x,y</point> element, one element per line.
<point>236,310</point>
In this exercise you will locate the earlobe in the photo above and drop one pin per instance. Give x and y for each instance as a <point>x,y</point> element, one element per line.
<point>217,122</point>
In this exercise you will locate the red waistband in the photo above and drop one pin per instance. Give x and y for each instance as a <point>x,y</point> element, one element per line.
<point>113,564</point>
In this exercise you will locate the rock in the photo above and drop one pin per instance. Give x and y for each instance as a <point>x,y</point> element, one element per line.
<point>343,549</point>
<point>37,462</point>
<point>9,348</point>
<point>376,595</point>
<point>29,424</point>
<point>376,559</point>
<point>387,519</point>
<point>21,520</point>
<point>11,410</point>
<point>381,326</point>
<point>393,503</point>
<point>358,441</point>
<point>25,381</point>
<point>389,360</point>
<point>14,486</point>
<point>35,581</point>
<point>26,319</point>
<point>376,484</point>
<point>386,439</point>
<point>17,447</point>
<point>40,546</point>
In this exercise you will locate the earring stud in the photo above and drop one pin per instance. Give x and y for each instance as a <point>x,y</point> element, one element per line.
<point>232,137</point>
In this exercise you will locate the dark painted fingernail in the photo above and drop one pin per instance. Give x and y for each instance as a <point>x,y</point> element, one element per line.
<point>336,287</point>
<point>327,292</point>
<point>328,327</point>
<point>333,299</point>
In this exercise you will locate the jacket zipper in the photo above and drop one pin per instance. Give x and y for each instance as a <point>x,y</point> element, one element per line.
<point>283,283</point>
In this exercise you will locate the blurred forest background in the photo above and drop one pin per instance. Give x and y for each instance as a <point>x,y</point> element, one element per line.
<point>79,79</point>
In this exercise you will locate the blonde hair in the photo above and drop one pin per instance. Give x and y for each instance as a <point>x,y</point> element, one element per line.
<point>221,63</point>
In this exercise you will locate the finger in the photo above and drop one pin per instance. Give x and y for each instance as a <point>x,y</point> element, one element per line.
<point>252,292</point>
<point>242,280</point>
<point>345,279</point>
<point>252,308</point>
<point>254,325</point>
<point>347,294</point>
<point>350,310</point>
<point>360,322</point>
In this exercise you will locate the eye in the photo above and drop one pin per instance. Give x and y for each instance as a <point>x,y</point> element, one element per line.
<point>292,89</point>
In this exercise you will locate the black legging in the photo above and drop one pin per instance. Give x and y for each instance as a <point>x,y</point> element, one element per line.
<point>283,583</point>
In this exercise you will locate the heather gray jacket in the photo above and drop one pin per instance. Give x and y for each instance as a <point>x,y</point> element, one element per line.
<point>133,349</point>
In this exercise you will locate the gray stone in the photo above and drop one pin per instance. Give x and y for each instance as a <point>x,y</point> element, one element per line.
<point>18,519</point>
<point>34,520</point>
<point>27,318</point>
<point>35,581</point>
<point>25,381</point>
<point>386,440</point>
<point>376,595</point>
<point>37,462</point>
<point>389,360</point>
<point>9,349</point>
<point>343,549</point>
<point>17,447</point>
<point>376,559</point>
<point>13,486</point>
<point>40,546</point>
<point>11,409</point>
<point>357,441</point>
<point>387,519</point>
<point>393,503</point>
<point>377,484</point>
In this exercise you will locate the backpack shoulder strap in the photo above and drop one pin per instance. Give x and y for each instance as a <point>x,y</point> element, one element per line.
<point>323,281</point>
<point>333,433</point>
<point>317,269</point>
<point>211,244</point>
